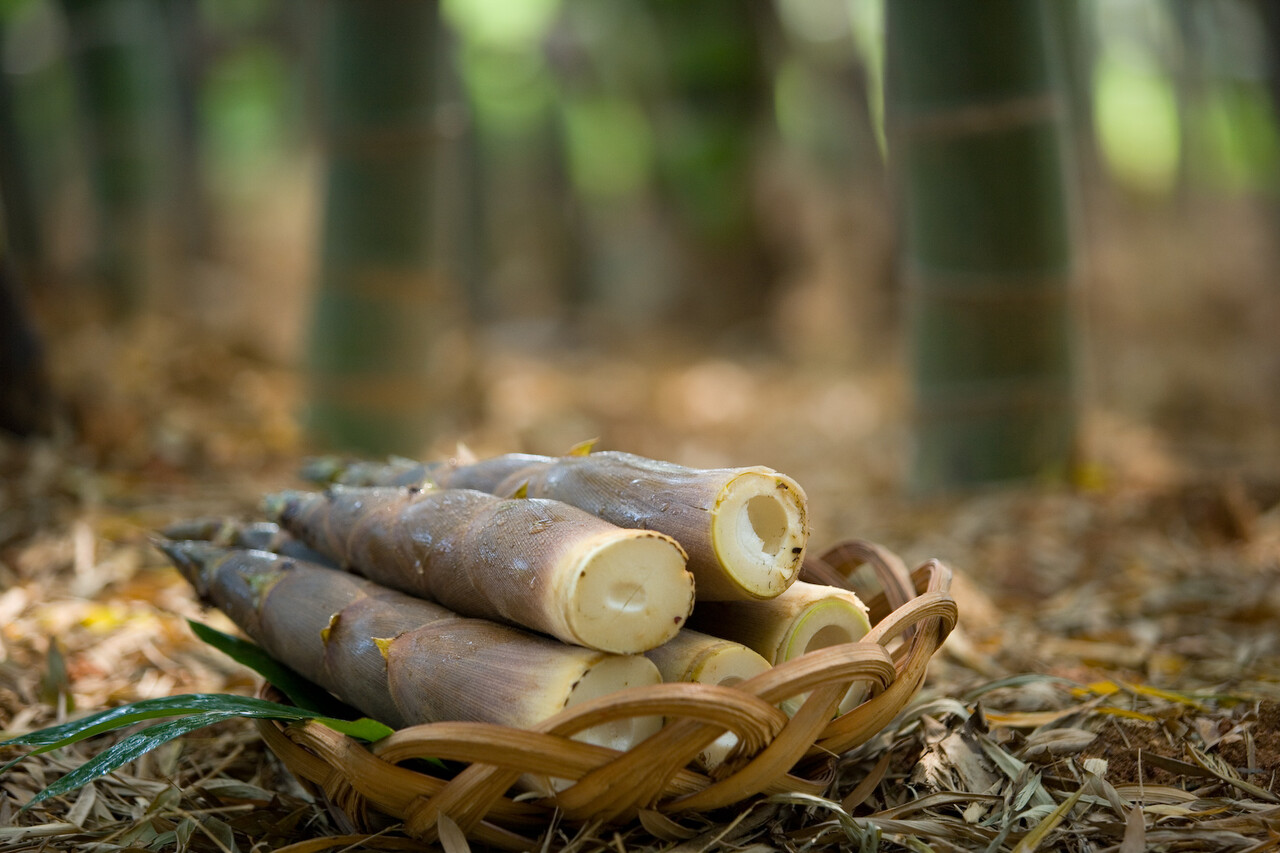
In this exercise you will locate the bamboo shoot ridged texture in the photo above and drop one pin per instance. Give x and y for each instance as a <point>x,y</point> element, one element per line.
<point>536,563</point>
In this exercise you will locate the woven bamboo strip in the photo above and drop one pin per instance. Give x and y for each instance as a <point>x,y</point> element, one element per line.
<point>388,789</point>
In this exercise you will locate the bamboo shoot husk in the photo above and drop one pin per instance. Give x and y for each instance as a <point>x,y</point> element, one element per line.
<point>694,656</point>
<point>395,471</point>
<point>744,529</point>
<point>403,660</point>
<point>256,535</point>
<point>805,618</point>
<point>536,563</point>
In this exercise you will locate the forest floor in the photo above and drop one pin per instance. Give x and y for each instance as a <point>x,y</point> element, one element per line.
<point>1119,642</point>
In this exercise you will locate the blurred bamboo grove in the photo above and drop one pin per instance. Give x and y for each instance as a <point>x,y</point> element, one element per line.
<point>975,131</point>
<point>379,191</point>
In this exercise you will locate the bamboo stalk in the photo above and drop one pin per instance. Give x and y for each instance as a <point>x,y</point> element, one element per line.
<point>403,660</point>
<point>711,120</point>
<point>975,115</point>
<point>536,563</point>
<point>387,359</point>
<point>744,529</point>
<point>26,399</point>
<point>122,88</point>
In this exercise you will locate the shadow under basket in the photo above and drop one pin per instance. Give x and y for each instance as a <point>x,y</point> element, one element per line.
<point>911,614</point>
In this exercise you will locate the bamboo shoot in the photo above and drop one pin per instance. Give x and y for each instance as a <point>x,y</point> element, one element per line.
<point>744,529</point>
<point>694,656</point>
<point>403,660</point>
<point>258,535</point>
<point>536,563</point>
<point>805,618</point>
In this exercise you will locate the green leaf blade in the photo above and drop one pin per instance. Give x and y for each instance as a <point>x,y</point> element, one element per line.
<point>129,749</point>
<point>193,711</point>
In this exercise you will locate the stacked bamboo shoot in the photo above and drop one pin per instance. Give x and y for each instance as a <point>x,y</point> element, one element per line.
<point>805,618</point>
<point>257,536</point>
<point>461,562</point>
<point>400,659</point>
<point>745,529</point>
<point>694,656</point>
<point>535,563</point>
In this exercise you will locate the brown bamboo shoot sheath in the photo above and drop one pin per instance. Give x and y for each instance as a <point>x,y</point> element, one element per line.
<point>535,563</point>
<point>745,529</point>
<point>395,471</point>
<point>403,660</point>
<point>257,535</point>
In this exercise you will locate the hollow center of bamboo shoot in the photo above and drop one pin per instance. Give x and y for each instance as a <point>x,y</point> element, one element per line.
<point>759,529</point>
<point>830,635</point>
<point>768,520</point>
<point>828,623</point>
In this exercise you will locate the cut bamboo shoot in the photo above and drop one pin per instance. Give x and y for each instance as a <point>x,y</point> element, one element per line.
<point>744,529</point>
<point>403,660</point>
<point>805,618</point>
<point>536,563</point>
<point>698,657</point>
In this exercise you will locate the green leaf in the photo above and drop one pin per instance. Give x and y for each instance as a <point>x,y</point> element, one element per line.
<point>194,711</point>
<point>305,694</point>
<point>365,729</point>
<point>132,747</point>
<point>126,715</point>
<point>187,704</point>
<point>301,692</point>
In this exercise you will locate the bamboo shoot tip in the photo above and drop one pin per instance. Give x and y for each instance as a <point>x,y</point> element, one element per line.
<point>583,448</point>
<point>192,560</point>
<point>322,469</point>
<point>280,506</point>
<point>173,550</point>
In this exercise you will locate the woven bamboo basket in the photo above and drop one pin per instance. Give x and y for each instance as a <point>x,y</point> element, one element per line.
<point>911,613</point>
